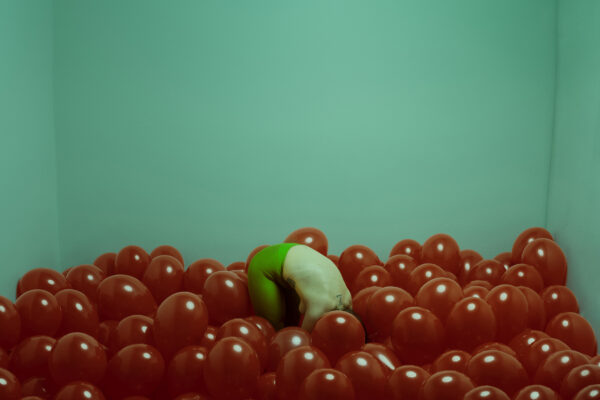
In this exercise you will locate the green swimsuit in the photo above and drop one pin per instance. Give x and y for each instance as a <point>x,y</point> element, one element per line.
<point>272,297</point>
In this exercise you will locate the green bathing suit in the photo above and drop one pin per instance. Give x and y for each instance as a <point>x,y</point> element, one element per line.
<point>272,297</point>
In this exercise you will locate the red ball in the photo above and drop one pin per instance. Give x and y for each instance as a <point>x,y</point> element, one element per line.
<point>78,313</point>
<point>336,333</point>
<point>487,270</point>
<point>197,273</point>
<point>295,366</point>
<point>43,278</point>
<point>237,266</point>
<point>439,296</point>
<point>10,324</point>
<point>79,391</point>
<point>283,342</point>
<point>548,258</point>
<point>559,299</point>
<point>181,320</point>
<point>232,369</point>
<point>3,358</point>
<point>442,250</point>
<point>137,369</point>
<point>210,337</point>
<point>133,261</point>
<point>471,322</point>
<point>521,343</point>
<point>524,238</point>
<point>30,357</point>
<point>579,378</point>
<point>505,259</point>
<point>135,329</point>
<point>511,310</point>
<point>247,331</point>
<point>266,388</point>
<point>476,291</point>
<point>311,237</point>
<point>523,275</point>
<point>163,277</point>
<point>10,388</point>
<point>37,388</point>
<point>405,382</point>
<point>226,285</point>
<point>423,274</point>
<point>40,313</point>
<point>166,250</point>
<point>468,259</point>
<point>591,392</point>
<point>575,331</point>
<point>495,346</point>
<point>407,247</point>
<point>86,279</point>
<point>446,385</point>
<point>382,308</point>
<point>373,275</point>
<point>106,262</point>
<point>455,360</point>
<point>539,351</point>
<point>326,384</point>
<point>253,253</point>
<point>536,314</point>
<point>263,325</point>
<point>537,392</point>
<point>496,368</point>
<point>486,393</point>
<point>366,374</point>
<point>354,259</point>
<point>417,335</point>
<point>554,369</point>
<point>360,301</point>
<point>120,296</point>
<point>106,333</point>
<point>77,357</point>
<point>399,267</point>
<point>185,371</point>
<point>385,355</point>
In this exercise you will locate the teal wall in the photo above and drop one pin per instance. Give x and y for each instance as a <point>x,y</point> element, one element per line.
<point>219,126</point>
<point>574,199</point>
<point>28,198</point>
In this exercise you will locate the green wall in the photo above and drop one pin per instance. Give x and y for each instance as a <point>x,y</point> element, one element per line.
<point>28,198</point>
<point>574,198</point>
<point>219,126</point>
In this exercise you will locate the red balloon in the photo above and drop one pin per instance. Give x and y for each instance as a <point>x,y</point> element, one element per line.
<point>197,273</point>
<point>505,259</point>
<point>181,320</point>
<point>366,374</point>
<point>334,258</point>
<point>373,275</point>
<point>553,370</point>
<point>442,250</point>
<point>385,355</point>
<point>524,238</point>
<point>417,335</point>
<point>536,314</point>
<point>539,351</point>
<point>189,396</point>
<point>575,331</point>
<point>406,382</point>
<point>336,333</point>
<point>30,357</point>
<point>133,261</point>
<point>548,258</point>
<point>266,388</point>
<point>471,322</point>
<point>595,360</point>
<point>185,371</point>
<point>106,333</point>
<point>263,325</point>
<point>137,369</point>
<point>537,392</point>
<point>591,392</point>
<point>247,331</point>
<point>360,301</point>
<point>468,259</point>
<point>521,343</point>
<point>66,271</point>
<point>407,247</point>
<point>40,313</point>
<point>483,284</point>
<point>476,291</point>
<point>78,313</point>
<point>454,360</point>
<point>10,388</point>
<point>579,378</point>
<point>559,299</point>
<point>284,341</point>
<point>439,296</point>
<point>44,278</point>
<point>354,259</point>
<point>210,337</point>
<point>166,250</point>
<point>10,324</point>
<point>498,369</point>
<point>232,369</point>
<point>523,275</point>
<point>86,279</point>
<point>236,266</point>
<point>295,366</point>
<point>38,388</point>
<point>134,329</point>
<point>423,274</point>
<point>253,253</point>
<point>446,385</point>
<point>3,358</point>
<point>511,310</point>
<point>486,393</point>
<point>326,384</point>
<point>77,357</point>
<point>106,262</point>
<point>120,296</point>
<point>311,237</point>
<point>163,277</point>
<point>226,285</point>
<point>79,391</point>
<point>494,346</point>
<point>399,267</point>
<point>382,308</point>
<point>487,270</point>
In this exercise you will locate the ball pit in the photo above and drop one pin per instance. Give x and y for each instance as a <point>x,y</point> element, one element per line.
<point>431,322</point>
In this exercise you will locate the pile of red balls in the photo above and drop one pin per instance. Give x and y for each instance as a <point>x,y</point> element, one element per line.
<point>436,323</point>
